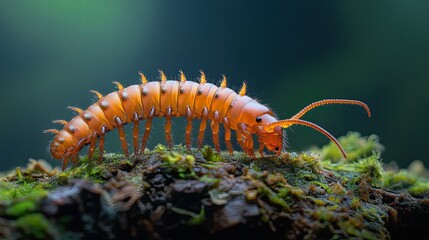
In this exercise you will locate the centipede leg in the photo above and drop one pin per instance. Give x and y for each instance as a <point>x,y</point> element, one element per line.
<point>75,152</point>
<point>240,139</point>
<point>261,147</point>
<point>202,127</point>
<point>227,135</point>
<point>121,132</point>
<point>93,141</point>
<point>188,128</point>
<point>101,147</point>
<point>168,137</point>
<point>147,128</point>
<point>214,124</point>
<point>136,133</point>
<point>248,141</point>
<point>65,161</point>
<point>74,159</point>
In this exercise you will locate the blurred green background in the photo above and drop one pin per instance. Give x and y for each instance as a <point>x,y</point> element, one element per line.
<point>290,53</point>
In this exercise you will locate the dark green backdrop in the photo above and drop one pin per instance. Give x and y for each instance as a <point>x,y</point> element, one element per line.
<point>290,53</point>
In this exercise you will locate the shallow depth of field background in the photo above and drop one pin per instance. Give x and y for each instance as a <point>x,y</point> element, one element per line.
<point>290,54</point>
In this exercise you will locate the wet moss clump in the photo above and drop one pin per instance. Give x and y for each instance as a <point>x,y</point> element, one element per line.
<point>175,194</point>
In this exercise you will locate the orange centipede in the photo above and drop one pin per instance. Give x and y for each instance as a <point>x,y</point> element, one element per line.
<point>175,98</point>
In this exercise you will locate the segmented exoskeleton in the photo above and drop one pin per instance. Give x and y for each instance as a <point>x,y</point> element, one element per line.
<point>171,98</point>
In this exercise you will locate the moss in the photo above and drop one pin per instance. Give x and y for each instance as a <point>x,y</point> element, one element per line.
<point>273,186</point>
<point>182,164</point>
<point>355,145</point>
<point>211,155</point>
<point>21,208</point>
<point>85,170</point>
<point>399,180</point>
<point>420,189</point>
<point>359,169</point>
<point>404,180</point>
<point>321,193</point>
<point>34,225</point>
<point>324,186</point>
<point>10,191</point>
<point>93,170</point>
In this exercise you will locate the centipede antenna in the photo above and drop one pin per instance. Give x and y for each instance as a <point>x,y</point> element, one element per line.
<point>331,101</point>
<point>162,75</point>
<point>289,122</point>
<point>243,89</point>
<point>143,78</point>
<point>76,109</point>
<point>202,77</point>
<point>223,83</point>
<point>118,85</point>
<point>63,122</point>
<point>182,76</point>
<point>99,95</point>
<point>54,131</point>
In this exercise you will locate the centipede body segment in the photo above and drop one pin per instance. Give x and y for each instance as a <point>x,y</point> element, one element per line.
<point>214,105</point>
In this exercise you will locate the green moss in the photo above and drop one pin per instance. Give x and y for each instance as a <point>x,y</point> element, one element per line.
<point>324,186</point>
<point>16,190</point>
<point>304,161</point>
<point>210,155</point>
<point>182,164</point>
<point>359,169</point>
<point>372,213</point>
<point>399,180</point>
<point>274,187</point>
<point>33,225</point>
<point>88,171</point>
<point>92,170</point>
<point>404,180</point>
<point>420,189</point>
<point>21,208</point>
<point>273,197</point>
<point>355,145</point>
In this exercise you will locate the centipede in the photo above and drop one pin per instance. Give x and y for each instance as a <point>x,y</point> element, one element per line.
<point>219,105</point>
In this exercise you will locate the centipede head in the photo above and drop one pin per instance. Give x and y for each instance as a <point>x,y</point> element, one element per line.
<point>255,115</point>
<point>272,139</point>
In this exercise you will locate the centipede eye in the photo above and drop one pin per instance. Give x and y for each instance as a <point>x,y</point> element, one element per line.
<point>258,119</point>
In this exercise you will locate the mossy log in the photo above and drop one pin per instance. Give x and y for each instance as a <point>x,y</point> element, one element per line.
<point>172,194</point>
